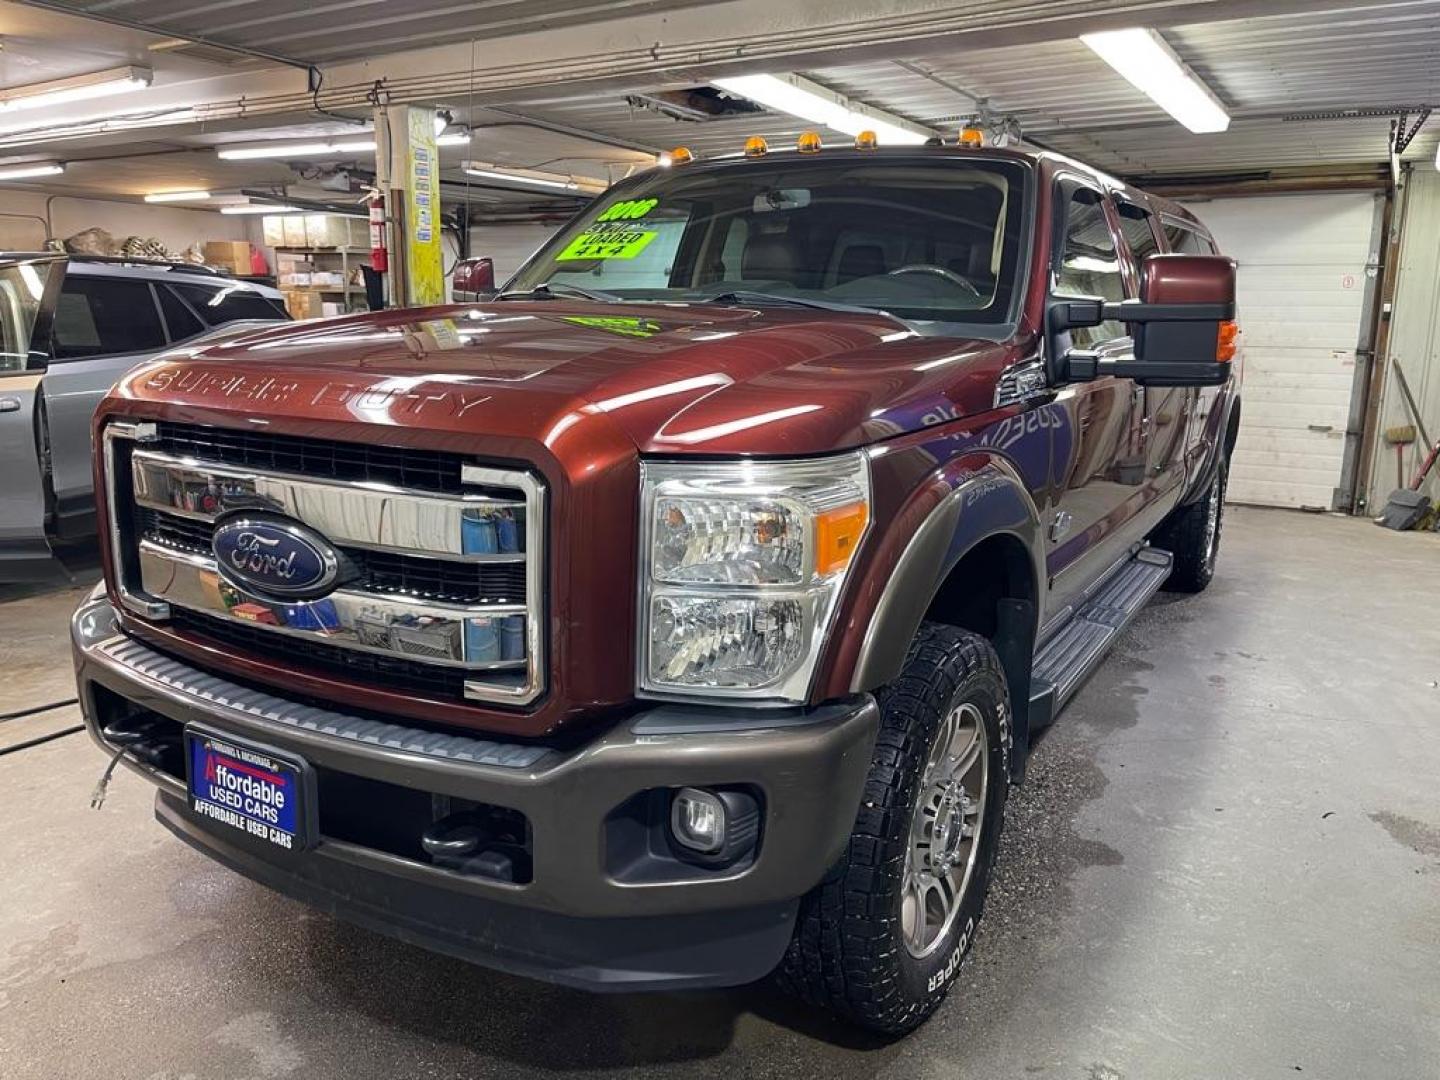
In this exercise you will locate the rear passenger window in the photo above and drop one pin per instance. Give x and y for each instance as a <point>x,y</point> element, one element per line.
<point>1135,224</point>
<point>1089,263</point>
<point>230,303</point>
<point>98,316</point>
<point>179,319</point>
<point>1184,240</point>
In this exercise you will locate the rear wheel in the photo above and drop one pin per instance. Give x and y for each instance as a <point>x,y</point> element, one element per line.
<point>881,939</point>
<point>1192,535</point>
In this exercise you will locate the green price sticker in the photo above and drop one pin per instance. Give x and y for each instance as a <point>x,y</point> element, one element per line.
<point>612,243</point>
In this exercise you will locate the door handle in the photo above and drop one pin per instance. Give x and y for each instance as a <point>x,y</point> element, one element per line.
<point>9,404</point>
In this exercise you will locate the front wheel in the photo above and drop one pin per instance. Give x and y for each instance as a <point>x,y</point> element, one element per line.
<point>880,940</point>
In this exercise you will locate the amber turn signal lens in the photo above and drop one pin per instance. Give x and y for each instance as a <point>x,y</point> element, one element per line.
<point>681,155</point>
<point>972,137</point>
<point>755,146</point>
<point>837,535</point>
<point>1225,344</point>
<point>866,140</point>
<point>808,143</point>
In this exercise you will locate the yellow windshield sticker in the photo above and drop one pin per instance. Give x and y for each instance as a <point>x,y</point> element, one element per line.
<point>617,324</point>
<point>629,210</point>
<point>617,241</point>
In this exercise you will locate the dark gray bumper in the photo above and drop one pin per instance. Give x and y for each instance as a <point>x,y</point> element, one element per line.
<point>576,921</point>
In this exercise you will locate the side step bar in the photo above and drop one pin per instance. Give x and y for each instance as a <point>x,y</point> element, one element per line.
<point>1066,660</point>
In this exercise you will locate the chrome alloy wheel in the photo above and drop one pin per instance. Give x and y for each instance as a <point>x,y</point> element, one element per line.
<point>945,830</point>
<point>1212,522</point>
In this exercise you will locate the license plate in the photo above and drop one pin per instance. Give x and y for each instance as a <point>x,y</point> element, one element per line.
<point>249,789</point>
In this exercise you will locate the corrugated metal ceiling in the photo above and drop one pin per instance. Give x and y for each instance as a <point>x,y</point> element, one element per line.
<point>1376,55</point>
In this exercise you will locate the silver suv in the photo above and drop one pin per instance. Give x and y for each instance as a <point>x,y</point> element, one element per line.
<point>70,326</point>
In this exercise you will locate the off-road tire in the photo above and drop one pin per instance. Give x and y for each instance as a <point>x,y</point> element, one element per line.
<point>848,953</point>
<point>1187,536</point>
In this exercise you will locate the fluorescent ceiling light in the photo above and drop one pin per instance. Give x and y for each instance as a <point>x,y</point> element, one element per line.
<point>31,168</point>
<point>178,196</point>
<point>364,144</point>
<point>812,102</point>
<point>531,177</point>
<point>76,88</point>
<point>1151,66</point>
<point>261,208</point>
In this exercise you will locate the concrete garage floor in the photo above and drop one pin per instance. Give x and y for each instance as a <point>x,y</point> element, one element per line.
<point>1225,863</point>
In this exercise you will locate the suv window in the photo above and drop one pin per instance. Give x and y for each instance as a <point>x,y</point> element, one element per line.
<point>1183,240</point>
<point>1089,264</point>
<point>179,319</point>
<point>102,316</point>
<point>229,303</point>
<point>1136,227</point>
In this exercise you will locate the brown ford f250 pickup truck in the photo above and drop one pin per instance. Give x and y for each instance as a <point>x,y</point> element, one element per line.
<point>682,614</point>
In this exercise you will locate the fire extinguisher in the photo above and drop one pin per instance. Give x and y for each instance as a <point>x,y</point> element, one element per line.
<point>379,256</point>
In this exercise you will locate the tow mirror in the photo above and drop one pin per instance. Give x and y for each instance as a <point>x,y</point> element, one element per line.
<point>474,280</point>
<point>1183,324</point>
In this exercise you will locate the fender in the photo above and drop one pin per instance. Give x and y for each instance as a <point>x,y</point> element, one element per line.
<point>982,503</point>
<point>1220,444</point>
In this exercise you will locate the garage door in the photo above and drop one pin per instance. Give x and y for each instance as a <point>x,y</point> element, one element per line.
<point>1302,296</point>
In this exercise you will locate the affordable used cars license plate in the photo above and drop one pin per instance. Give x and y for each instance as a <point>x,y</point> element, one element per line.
<point>250,789</point>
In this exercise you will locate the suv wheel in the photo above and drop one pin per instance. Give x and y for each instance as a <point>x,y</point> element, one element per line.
<point>881,939</point>
<point>1193,536</point>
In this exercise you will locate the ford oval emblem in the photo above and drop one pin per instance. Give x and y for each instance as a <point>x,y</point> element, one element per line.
<point>275,556</point>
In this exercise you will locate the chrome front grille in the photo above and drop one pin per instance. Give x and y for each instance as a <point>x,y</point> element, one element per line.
<point>446,576</point>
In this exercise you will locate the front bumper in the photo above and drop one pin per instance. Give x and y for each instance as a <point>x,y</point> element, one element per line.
<point>600,909</point>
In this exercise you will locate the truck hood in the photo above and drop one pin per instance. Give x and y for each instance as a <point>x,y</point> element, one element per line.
<point>673,378</point>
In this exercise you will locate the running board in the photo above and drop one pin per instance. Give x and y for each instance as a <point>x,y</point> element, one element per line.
<point>1066,660</point>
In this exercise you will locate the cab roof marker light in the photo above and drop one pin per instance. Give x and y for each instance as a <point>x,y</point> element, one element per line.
<point>1144,59</point>
<point>756,146</point>
<point>971,136</point>
<point>95,84</point>
<point>817,104</point>
<point>30,169</point>
<point>681,155</point>
<point>866,140</point>
<point>808,142</point>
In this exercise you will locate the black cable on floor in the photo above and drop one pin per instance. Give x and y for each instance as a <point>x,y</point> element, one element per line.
<point>40,739</point>
<point>38,709</point>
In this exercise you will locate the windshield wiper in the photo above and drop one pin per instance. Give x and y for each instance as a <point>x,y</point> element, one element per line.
<point>554,290</point>
<point>744,297</point>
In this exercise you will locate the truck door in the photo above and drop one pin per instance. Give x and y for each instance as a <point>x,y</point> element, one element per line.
<point>1102,477</point>
<point>1166,410</point>
<point>104,324</point>
<point>28,288</point>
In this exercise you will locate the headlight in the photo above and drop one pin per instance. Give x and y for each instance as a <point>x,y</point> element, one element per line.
<point>742,565</point>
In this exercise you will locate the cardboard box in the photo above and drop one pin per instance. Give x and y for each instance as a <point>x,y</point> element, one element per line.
<point>301,280</point>
<point>294,225</point>
<point>229,255</point>
<point>272,229</point>
<point>302,305</point>
<point>329,309</point>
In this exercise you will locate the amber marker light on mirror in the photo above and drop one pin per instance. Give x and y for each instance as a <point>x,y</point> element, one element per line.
<point>1225,344</point>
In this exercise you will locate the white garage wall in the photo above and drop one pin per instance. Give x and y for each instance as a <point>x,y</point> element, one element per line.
<point>1414,335</point>
<point>176,228</point>
<point>508,245</point>
<point>1302,293</point>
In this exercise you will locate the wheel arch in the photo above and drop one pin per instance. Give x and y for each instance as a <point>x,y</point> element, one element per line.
<point>975,562</point>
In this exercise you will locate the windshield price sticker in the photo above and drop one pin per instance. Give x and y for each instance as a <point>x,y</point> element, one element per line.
<point>613,240</point>
<point>612,236</point>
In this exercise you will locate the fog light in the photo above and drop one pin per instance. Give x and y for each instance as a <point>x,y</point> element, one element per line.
<point>697,818</point>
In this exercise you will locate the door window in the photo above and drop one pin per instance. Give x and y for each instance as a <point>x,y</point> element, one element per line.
<point>179,319</point>
<point>1089,263</point>
<point>99,316</point>
<point>229,303</point>
<point>1139,232</point>
<point>22,289</point>
<point>1183,240</point>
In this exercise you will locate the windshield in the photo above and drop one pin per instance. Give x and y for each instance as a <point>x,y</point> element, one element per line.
<point>923,240</point>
